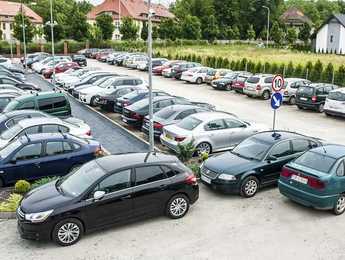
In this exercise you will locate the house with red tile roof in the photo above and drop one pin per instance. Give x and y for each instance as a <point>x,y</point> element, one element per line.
<point>136,9</point>
<point>8,10</point>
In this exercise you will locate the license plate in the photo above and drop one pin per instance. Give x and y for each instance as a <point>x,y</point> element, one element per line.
<point>205,179</point>
<point>299,179</point>
<point>303,98</point>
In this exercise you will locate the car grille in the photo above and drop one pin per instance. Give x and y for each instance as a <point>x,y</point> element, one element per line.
<point>20,214</point>
<point>208,173</point>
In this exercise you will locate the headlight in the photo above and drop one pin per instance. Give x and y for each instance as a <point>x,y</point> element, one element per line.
<point>227,177</point>
<point>38,217</point>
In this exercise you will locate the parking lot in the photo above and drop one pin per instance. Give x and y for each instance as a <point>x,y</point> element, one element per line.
<point>267,226</point>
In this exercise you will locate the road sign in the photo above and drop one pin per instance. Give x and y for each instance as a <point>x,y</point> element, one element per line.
<point>277,83</point>
<point>276,100</point>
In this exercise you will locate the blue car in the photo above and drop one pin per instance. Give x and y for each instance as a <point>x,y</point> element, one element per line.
<point>36,156</point>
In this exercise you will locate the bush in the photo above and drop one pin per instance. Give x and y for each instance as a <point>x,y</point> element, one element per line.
<point>195,168</point>
<point>185,152</point>
<point>11,204</point>
<point>22,187</point>
<point>43,181</point>
<point>204,156</point>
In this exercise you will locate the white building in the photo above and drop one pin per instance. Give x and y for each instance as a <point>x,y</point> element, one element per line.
<point>330,38</point>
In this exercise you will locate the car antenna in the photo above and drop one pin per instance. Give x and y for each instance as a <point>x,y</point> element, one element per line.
<point>63,135</point>
<point>323,148</point>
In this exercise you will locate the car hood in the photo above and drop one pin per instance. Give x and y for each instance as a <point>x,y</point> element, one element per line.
<point>222,81</point>
<point>230,163</point>
<point>43,198</point>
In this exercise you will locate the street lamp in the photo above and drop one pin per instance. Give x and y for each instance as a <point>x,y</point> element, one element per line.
<point>23,25</point>
<point>268,23</point>
<point>149,53</point>
<point>52,23</point>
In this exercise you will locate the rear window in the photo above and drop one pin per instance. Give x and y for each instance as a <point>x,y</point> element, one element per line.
<point>268,80</point>
<point>253,80</point>
<point>316,161</point>
<point>165,113</point>
<point>211,72</point>
<point>338,96</point>
<point>306,90</point>
<point>189,123</point>
<point>241,79</point>
<point>50,103</point>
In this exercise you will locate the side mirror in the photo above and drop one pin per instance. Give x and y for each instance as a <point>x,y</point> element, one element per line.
<point>271,158</point>
<point>13,161</point>
<point>98,195</point>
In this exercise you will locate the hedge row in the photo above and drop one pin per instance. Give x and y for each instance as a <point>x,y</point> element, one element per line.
<point>315,72</point>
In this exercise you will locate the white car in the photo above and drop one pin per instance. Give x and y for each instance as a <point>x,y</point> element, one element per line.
<point>5,62</point>
<point>88,95</point>
<point>70,82</point>
<point>39,66</point>
<point>335,103</point>
<point>72,126</point>
<point>70,77</point>
<point>195,75</point>
<point>290,88</point>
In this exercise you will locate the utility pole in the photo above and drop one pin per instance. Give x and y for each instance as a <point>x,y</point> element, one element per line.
<point>23,31</point>
<point>52,24</point>
<point>268,24</point>
<point>149,53</point>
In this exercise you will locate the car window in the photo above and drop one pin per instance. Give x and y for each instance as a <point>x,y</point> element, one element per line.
<point>185,114</point>
<point>169,171</point>
<point>15,120</point>
<point>30,130</point>
<point>54,148</point>
<point>317,161</point>
<point>54,129</point>
<point>148,174</point>
<point>320,91</point>
<point>123,92</point>
<point>189,123</point>
<point>115,182</point>
<point>215,125</point>
<point>232,123</point>
<point>328,89</point>
<point>268,80</point>
<point>8,81</point>
<point>28,152</point>
<point>138,81</point>
<point>281,150</point>
<point>27,105</point>
<point>128,82</point>
<point>59,102</point>
<point>341,169</point>
<point>300,145</point>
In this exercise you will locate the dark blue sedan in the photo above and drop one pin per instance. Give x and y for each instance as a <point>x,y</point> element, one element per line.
<point>36,156</point>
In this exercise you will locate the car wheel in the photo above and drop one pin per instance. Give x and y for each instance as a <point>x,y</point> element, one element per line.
<point>203,148</point>
<point>299,107</point>
<point>249,187</point>
<point>292,101</point>
<point>93,102</point>
<point>177,206</point>
<point>68,232</point>
<point>199,81</point>
<point>228,87</point>
<point>339,207</point>
<point>266,95</point>
<point>321,108</point>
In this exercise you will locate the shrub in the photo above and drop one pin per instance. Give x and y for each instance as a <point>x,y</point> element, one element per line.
<point>258,67</point>
<point>299,71</point>
<point>316,71</point>
<point>43,181</point>
<point>204,156</point>
<point>22,187</point>
<point>195,168</point>
<point>289,72</point>
<point>185,152</point>
<point>11,204</point>
<point>327,75</point>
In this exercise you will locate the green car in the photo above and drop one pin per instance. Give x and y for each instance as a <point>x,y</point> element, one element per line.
<point>316,179</point>
<point>53,103</point>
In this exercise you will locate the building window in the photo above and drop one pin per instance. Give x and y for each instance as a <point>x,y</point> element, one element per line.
<point>4,26</point>
<point>331,40</point>
<point>117,24</point>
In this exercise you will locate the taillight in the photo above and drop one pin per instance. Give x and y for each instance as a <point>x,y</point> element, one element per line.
<point>88,133</point>
<point>313,98</point>
<point>286,172</point>
<point>258,87</point>
<point>315,183</point>
<point>157,125</point>
<point>126,103</point>
<point>190,179</point>
<point>179,139</point>
<point>136,116</point>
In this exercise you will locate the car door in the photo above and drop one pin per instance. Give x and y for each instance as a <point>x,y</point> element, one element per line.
<point>116,205</point>
<point>24,163</point>
<point>26,105</point>
<point>277,157</point>
<point>238,131</point>
<point>218,133</point>
<point>340,177</point>
<point>151,191</point>
<point>320,95</point>
<point>326,91</point>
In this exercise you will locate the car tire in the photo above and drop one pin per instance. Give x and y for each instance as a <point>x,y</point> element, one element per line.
<point>74,229</point>
<point>249,187</point>
<point>177,206</point>
<point>299,107</point>
<point>228,87</point>
<point>292,101</point>
<point>339,207</point>
<point>93,102</point>
<point>266,95</point>
<point>203,147</point>
<point>199,81</point>
<point>320,108</point>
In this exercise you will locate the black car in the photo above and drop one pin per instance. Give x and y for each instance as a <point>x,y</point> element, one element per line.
<point>226,82</point>
<point>104,192</point>
<point>313,96</point>
<point>254,163</point>
<point>178,69</point>
<point>133,97</point>
<point>80,59</point>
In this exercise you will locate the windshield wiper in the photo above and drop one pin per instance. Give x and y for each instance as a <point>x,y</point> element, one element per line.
<point>245,157</point>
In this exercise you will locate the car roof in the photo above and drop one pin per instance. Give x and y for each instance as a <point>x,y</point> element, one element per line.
<point>23,112</point>
<point>47,137</point>
<point>262,75</point>
<point>40,95</point>
<point>294,79</point>
<point>320,85</point>
<point>212,115</point>
<point>113,162</point>
<point>342,90</point>
<point>277,136</point>
<point>332,150</point>
<point>39,121</point>
<point>179,108</point>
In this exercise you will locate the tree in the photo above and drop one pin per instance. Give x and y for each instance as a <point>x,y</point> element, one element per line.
<point>18,29</point>
<point>251,33</point>
<point>168,29</point>
<point>291,35</point>
<point>191,28</point>
<point>304,33</point>
<point>144,31</point>
<point>105,24</point>
<point>128,29</point>
<point>211,30</point>
<point>94,33</point>
<point>155,33</point>
<point>263,33</point>
<point>277,34</point>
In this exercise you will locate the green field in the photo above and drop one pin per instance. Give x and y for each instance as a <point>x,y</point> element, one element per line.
<point>253,53</point>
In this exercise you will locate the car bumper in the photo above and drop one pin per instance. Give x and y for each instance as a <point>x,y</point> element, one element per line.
<point>251,92</point>
<point>286,98</point>
<point>230,187</point>
<point>41,231</point>
<point>305,198</point>
<point>218,86</point>
<point>145,130</point>
<point>334,113</point>
<point>130,121</point>
<point>172,145</point>
<point>307,105</point>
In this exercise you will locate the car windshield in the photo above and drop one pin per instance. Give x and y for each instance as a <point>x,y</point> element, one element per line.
<point>253,80</point>
<point>337,95</point>
<point>316,161</point>
<point>106,82</point>
<point>306,90</point>
<point>165,113</point>
<point>230,76</point>
<point>211,72</point>
<point>252,148</point>
<point>134,94</point>
<point>8,149</point>
<point>75,183</point>
<point>189,123</point>
<point>11,132</point>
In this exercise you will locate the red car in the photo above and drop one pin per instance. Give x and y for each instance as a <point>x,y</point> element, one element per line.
<point>158,70</point>
<point>238,83</point>
<point>60,68</point>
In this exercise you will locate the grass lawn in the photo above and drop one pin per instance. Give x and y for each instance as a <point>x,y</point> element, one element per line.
<point>251,52</point>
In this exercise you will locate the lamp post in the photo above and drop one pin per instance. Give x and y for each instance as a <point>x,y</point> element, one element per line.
<point>51,23</point>
<point>23,31</point>
<point>268,24</point>
<point>149,53</point>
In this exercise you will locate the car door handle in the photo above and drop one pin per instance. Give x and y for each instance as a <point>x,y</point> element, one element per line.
<point>38,165</point>
<point>163,186</point>
<point>126,197</point>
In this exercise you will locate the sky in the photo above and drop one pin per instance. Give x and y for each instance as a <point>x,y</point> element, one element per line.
<point>165,2</point>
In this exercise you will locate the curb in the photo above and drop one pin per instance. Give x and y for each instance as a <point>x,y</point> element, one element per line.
<point>7,215</point>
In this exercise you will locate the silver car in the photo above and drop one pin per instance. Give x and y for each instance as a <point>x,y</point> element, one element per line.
<point>259,85</point>
<point>209,131</point>
<point>290,88</point>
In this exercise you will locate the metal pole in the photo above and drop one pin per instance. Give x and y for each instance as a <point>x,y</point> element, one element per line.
<point>149,53</point>
<point>24,38</point>
<point>52,38</point>
<point>274,119</point>
<point>11,47</point>
<point>268,24</point>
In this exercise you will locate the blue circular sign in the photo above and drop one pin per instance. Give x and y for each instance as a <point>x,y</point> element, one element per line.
<point>276,100</point>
